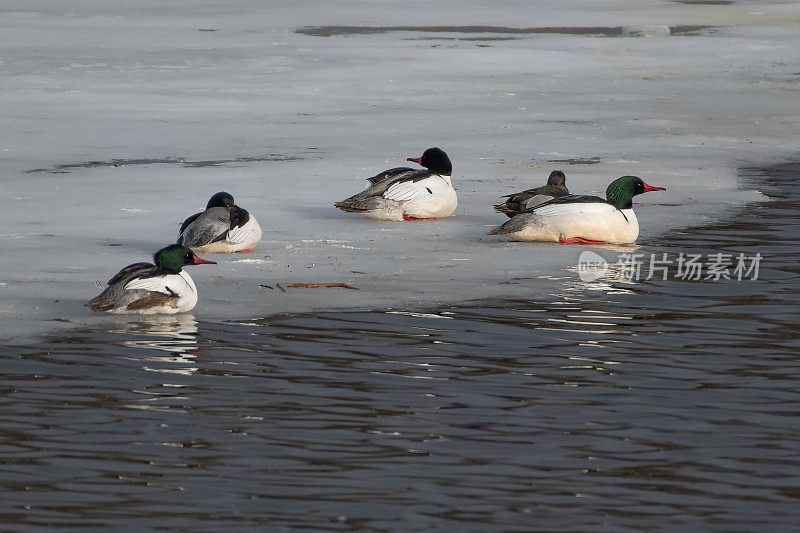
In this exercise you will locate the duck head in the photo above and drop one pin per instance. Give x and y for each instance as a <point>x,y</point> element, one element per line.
<point>221,199</point>
<point>557,179</point>
<point>435,160</point>
<point>621,191</point>
<point>175,256</point>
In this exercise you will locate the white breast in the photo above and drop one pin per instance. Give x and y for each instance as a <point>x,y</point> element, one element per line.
<point>244,237</point>
<point>591,221</point>
<point>432,197</point>
<point>180,284</point>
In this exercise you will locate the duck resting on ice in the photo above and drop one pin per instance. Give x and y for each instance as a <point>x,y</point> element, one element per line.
<point>408,194</point>
<point>151,288</point>
<point>517,202</point>
<point>582,219</point>
<point>223,227</point>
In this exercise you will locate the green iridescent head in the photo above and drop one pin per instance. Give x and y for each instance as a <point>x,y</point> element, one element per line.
<point>221,199</point>
<point>621,191</point>
<point>175,256</point>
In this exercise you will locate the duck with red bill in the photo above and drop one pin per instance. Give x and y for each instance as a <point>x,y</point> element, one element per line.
<point>161,287</point>
<point>404,193</point>
<point>578,219</point>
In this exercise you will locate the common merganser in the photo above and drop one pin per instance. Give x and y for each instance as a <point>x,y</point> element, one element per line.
<point>223,227</point>
<point>517,202</point>
<point>148,288</point>
<point>582,219</point>
<point>408,194</point>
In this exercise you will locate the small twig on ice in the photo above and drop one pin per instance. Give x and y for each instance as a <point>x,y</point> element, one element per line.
<point>315,285</point>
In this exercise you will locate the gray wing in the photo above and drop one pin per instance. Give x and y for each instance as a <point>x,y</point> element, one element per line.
<point>367,199</point>
<point>569,199</point>
<point>519,221</point>
<point>391,174</point>
<point>131,271</point>
<point>520,201</point>
<point>210,226</point>
<point>115,294</point>
<point>516,223</point>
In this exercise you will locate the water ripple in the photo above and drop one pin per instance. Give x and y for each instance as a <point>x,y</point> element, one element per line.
<point>649,405</point>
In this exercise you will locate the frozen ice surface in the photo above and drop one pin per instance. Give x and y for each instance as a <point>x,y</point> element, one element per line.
<point>120,119</point>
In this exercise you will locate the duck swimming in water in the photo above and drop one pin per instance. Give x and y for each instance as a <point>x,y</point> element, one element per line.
<point>408,194</point>
<point>582,219</point>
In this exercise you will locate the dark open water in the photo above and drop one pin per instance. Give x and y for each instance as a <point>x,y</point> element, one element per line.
<point>670,405</point>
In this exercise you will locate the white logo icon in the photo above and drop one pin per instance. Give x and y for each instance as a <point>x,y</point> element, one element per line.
<point>591,266</point>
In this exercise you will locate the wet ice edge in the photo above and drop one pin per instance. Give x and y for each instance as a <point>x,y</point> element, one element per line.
<point>121,120</point>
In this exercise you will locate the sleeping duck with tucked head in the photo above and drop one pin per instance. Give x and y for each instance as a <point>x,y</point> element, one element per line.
<point>223,227</point>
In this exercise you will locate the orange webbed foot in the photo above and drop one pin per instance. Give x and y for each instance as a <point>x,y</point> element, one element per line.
<point>579,240</point>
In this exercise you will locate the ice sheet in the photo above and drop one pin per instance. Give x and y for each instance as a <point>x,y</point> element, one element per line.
<point>120,119</point>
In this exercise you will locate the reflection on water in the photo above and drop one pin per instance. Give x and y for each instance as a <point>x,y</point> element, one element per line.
<point>610,284</point>
<point>174,334</point>
<point>606,405</point>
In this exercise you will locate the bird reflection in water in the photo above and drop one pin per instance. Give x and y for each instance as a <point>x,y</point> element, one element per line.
<point>174,334</point>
